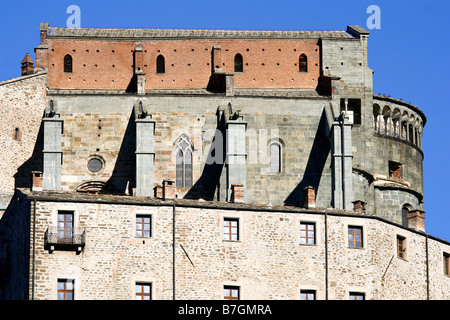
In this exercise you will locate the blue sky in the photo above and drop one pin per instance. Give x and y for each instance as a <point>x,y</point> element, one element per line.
<point>410,53</point>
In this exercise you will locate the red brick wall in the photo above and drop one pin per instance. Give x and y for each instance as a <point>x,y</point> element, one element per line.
<point>109,64</point>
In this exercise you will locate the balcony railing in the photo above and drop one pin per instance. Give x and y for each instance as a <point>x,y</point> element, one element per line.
<point>75,237</point>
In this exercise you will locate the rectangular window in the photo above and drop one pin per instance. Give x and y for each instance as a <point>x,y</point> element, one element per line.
<point>65,226</point>
<point>65,289</point>
<point>230,229</point>
<point>143,226</point>
<point>231,293</point>
<point>401,247</point>
<point>395,170</point>
<point>143,291</point>
<point>357,296</point>
<point>307,295</point>
<point>307,233</point>
<point>355,235</point>
<point>447,264</point>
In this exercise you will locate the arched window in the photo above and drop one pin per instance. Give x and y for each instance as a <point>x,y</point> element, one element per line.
<point>405,210</point>
<point>238,63</point>
<point>160,64</point>
<point>275,157</point>
<point>184,162</point>
<point>303,63</point>
<point>68,63</point>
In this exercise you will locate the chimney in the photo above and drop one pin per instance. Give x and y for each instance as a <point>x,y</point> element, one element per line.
<point>416,220</point>
<point>27,65</point>
<point>309,197</point>
<point>42,50</point>
<point>168,189</point>
<point>237,193</point>
<point>37,181</point>
<point>359,206</point>
<point>159,191</point>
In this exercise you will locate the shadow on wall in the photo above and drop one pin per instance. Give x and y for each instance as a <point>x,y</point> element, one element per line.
<point>15,249</point>
<point>314,168</point>
<point>23,177</point>
<point>123,175</point>
<point>209,182</point>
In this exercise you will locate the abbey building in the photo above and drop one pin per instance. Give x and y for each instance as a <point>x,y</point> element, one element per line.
<point>211,164</point>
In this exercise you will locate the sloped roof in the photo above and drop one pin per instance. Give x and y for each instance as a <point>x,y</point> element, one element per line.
<point>192,34</point>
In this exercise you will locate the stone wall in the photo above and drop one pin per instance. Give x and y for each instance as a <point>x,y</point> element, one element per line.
<point>267,262</point>
<point>104,126</point>
<point>22,101</point>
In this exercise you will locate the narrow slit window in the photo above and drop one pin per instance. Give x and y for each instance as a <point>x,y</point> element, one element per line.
<point>68,63</point>
<point>238,63</point>
<point>17,134</point>
<point>303,63</point>
<point>160,64</point>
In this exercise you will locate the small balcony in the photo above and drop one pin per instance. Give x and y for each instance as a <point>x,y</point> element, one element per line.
<point>73,239</point>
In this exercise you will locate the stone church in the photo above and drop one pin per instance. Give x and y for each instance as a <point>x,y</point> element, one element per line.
<point>211,164</point>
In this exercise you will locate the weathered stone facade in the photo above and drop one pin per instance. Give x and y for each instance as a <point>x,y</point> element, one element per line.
<point>191,127</point>
<point>22,101</point>
<point>267,262</point>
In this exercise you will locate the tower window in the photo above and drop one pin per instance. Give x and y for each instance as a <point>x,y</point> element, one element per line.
<point>160,64</point>
<point>238,63</point>
<point>68,63</point>
<point>303,63</point>
<point>184,162</point>
<point>395,170</point>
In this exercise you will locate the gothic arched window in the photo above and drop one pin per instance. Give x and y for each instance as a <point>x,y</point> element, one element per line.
<point>160,64</point>
<point>183,153</point>
<point>68,63</point>
<point>238,63</point>
<point>303,63</point>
